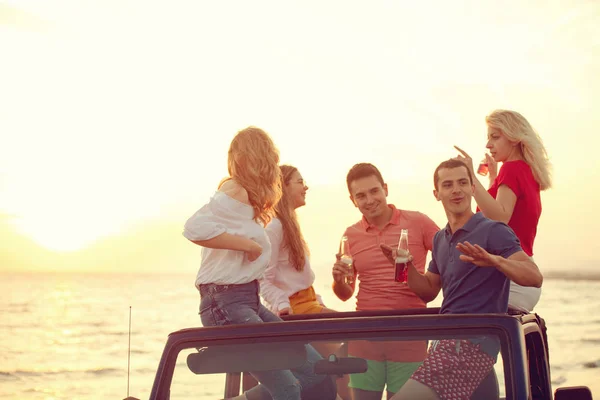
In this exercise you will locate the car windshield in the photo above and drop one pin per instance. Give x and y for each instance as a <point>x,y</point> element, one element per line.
<point>216,369</point>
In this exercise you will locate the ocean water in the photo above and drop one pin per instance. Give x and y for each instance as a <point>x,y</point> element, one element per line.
<point>65,336</point>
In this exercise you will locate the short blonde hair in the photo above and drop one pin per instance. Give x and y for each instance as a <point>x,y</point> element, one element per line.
<point>253,162</point>
<point>517,129</point>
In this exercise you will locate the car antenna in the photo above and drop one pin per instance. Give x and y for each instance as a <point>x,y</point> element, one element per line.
<point>129,358</point>
<point>129,351</point>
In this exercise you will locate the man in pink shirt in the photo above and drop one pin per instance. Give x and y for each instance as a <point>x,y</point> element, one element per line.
<point>389,364</point>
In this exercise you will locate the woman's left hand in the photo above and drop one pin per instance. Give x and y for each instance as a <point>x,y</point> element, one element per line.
<point>466,159</point>
<point>492,166</point>
<point>285,311</point>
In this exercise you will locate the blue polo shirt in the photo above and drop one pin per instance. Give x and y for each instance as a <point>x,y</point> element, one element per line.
<point>468,288</point>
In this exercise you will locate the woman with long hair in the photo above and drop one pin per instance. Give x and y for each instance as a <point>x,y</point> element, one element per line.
<point>288,281</point>
<point>513,196</point>
<point>236,251</point>
<point>287,285</point>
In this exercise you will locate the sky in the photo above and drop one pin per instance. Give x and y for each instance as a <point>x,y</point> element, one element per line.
<point>116,115</point>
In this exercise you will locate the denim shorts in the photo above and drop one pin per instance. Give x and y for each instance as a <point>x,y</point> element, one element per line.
<point>233,304</point>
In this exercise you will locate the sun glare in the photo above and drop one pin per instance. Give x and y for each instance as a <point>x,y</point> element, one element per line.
<point>63,235</point>
<point>55,236</point>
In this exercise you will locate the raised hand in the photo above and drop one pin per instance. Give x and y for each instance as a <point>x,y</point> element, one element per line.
<point>477,255</point>
<point>465,158</point>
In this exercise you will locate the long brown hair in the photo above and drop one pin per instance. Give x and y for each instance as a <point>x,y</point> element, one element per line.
<point>292,235</point>
<point>253,163</point>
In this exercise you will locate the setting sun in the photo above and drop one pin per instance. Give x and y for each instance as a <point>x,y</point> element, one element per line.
<point>60,235</point>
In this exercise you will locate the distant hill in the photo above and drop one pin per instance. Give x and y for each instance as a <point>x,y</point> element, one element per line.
<point>573,275</point>
<point>157,246</point>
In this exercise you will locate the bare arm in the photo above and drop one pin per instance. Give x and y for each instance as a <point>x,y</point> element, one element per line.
<point>427,286</point>
<point>232,242</point>
<point>343,290</point>
<point>519,267</point>
<point>499,208</point>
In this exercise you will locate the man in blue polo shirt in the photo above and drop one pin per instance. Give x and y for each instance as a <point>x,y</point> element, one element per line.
<point>473,259</point>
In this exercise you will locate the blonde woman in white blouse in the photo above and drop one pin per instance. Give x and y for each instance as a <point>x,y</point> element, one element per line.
<point>236,251</point>
<point>287,285</point>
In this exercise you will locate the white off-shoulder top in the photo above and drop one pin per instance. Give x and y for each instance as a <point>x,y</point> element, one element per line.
<point>226,214</point>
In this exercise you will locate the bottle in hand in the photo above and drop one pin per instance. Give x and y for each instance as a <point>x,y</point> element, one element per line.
<point>483,167</point>
<point>346,258</point>
<point>401,272</point>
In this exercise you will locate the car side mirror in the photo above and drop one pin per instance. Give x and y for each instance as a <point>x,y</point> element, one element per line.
<point>573,393</point>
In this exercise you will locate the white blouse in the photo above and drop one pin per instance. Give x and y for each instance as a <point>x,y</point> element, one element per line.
<point>281,279</point>
<point>220,266</point>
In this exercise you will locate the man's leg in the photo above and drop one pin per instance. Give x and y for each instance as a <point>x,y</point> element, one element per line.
<point>359,394</point>
<point>398,373</point>
<point>368,385</point>
<point>412,390</point>
<point>453,369</point>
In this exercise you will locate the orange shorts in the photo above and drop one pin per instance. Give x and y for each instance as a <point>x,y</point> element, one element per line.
<point>305,302</point>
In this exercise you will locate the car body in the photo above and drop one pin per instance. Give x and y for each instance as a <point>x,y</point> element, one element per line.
<point>522,369</point>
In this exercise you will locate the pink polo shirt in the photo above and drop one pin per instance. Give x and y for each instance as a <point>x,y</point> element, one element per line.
<point>377,289</point>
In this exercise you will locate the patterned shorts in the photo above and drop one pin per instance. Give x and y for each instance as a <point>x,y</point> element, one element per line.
<point>454,368</point>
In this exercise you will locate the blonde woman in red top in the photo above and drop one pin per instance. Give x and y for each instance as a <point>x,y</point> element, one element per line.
<point>513,196</point>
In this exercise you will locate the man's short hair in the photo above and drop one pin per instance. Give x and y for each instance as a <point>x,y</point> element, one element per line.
<point>451,163</point>
<point>362,170</point>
